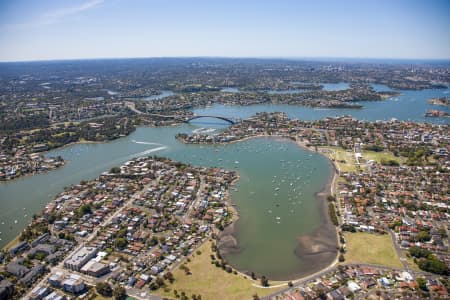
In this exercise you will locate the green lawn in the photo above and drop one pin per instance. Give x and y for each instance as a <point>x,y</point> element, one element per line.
<point>344,160</point>
<point>212,282</point>
<point>379,156</point>
<point>371,248</point>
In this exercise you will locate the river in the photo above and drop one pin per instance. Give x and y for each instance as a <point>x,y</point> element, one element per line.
<point>272,222</point>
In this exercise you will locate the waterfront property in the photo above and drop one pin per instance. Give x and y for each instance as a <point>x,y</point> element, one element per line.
<point>366,197</point>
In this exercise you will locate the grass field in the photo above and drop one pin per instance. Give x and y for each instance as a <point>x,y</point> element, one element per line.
<point>372,249</point>
<point>379,156</point>
<point>212,282</point>
<point>345,160</point>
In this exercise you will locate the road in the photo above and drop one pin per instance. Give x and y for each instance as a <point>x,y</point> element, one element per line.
<point>60,266</point>
<point>333,268</point>
<point>399,251</point>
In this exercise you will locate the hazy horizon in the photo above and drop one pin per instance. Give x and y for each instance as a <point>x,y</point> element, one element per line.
<point>324,29</point>
<point>384,60</point>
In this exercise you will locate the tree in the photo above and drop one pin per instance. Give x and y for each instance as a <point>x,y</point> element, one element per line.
<point>419,252</point>
<point>153,286</point>
<point>114,170</point>
<point>264,281</point>
<point>169,276</point>
<point>104,289</point>
<point>348,227</point>
<point>423,236</point>
<point>332,213</point>
<point>422,283</point>
<point>121,243</point>
<point>160,282</point>
<point>433,264</point>
<point>119,293</point>
<point>390,162</point>
<point>84,209</point>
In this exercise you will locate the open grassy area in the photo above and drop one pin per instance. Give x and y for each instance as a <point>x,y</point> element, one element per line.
<point>212,282</point>
<point>411,262</point>
<point>344,160</point>
<point>379,156</point>
<point>371,248</point>
<point>12,243</point>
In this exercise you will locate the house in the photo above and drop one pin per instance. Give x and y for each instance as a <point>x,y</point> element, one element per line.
<point>6,289</point>
<point>55,296</point>
<point>335,295</point>
<point>369,283</point>
<point>294,296</point>
<point>39,292</point>
<point>22,246</point>
<point>40,147</point>
<point>73,284</point>
<point>94,268</point>
<point>353,286</point>
<point>385,282</point>
<point>35,271</point>
<point>41,239</point>
<point>80,258</point>
<point>17,269</point>
<point>54,257</point>
<point>56,279</point>
<point>45,249</point>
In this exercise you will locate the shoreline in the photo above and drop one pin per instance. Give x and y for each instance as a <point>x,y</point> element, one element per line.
<point>45,153</point>
<point>23,176</point>
<point>320,237</point>
<point>321,195</point>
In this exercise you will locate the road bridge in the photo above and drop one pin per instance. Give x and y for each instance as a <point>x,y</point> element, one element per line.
<point>194,117</point>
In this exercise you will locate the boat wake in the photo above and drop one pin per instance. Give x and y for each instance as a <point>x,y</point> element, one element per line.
<point>203,130</point>
<point>147,143</point>
<point>147,151</point>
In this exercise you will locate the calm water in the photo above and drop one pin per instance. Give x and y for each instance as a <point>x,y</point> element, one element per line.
<point>262,223</point>
<point>335,86</point>
<point>271,220</point>
<point>230,90</point>
<point>326,86</point>
<point>409,106</point>
<point>160,96</point>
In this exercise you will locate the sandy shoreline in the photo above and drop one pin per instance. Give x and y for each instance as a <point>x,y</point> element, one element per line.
<point>320,247</point>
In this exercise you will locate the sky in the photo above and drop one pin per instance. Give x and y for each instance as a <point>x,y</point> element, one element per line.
<point>77,29</point>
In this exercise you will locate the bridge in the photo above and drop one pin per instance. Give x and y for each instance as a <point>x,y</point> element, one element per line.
<point>187,120</point>
<point>215,117</point>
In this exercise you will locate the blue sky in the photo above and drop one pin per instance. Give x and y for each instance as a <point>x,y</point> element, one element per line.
<point>59,29</point>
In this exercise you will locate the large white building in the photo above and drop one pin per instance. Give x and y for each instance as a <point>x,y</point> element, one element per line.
<point>80,258</point>
<point>94,268</point>
<point>74,284</point>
